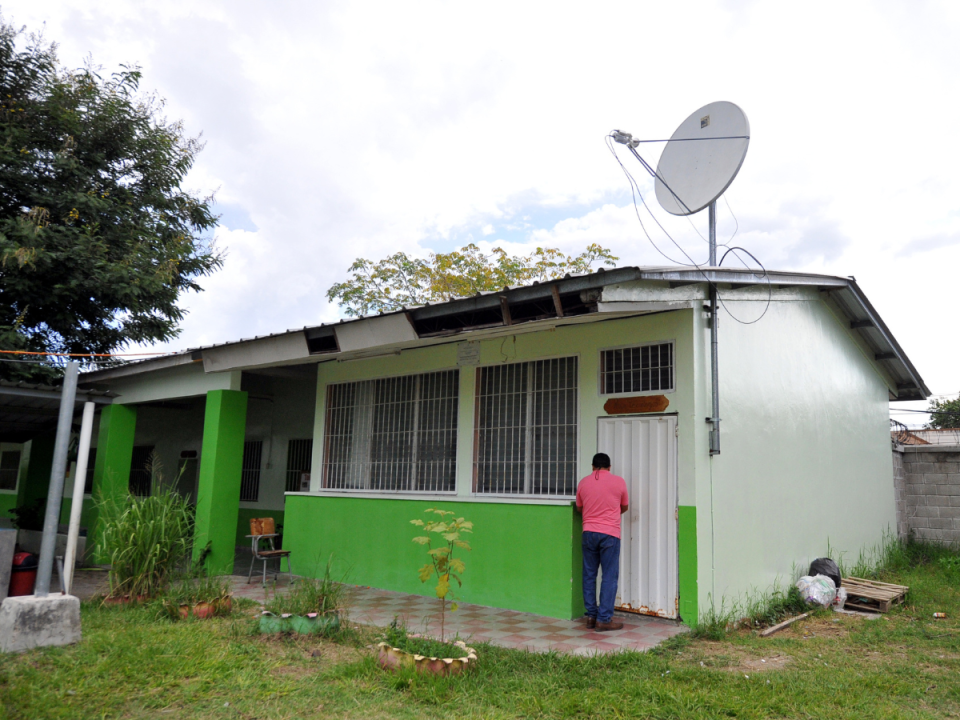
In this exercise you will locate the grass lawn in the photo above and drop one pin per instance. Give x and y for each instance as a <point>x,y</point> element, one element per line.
<point>130,665</point>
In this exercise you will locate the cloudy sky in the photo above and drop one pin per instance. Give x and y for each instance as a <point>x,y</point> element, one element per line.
<point>336,130</point>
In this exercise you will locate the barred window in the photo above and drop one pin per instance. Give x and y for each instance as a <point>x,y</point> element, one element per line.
<point>527,428</point>
<point>250,473</point>
<point>637,369</point>
<point>393,434</point>
<point>141,470</point>
<point>299,460</point>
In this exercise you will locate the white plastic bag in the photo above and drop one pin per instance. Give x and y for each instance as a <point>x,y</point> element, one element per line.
<point>817,590</point>
<point>841,598</point>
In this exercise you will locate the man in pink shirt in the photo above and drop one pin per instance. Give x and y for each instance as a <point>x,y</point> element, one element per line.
<point>602,499</point>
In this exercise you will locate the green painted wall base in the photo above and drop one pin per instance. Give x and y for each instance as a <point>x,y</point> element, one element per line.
<point>35,482</point>
<point>687,554</point>
<point>88,515</point>
<point>8,501</point>
<point>524,557</point>
<point>243,522</point>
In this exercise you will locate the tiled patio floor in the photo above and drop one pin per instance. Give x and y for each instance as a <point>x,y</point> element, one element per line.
<point>506,628</point>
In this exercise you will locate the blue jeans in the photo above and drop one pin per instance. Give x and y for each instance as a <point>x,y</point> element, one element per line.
<point>600,550</point>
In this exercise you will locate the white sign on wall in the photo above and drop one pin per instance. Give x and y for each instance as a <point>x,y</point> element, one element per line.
<point>468,353</point>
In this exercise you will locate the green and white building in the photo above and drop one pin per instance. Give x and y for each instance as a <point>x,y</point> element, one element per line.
<point>493,407</point>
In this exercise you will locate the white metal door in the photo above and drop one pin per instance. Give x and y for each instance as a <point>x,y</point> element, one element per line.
<point>643,450</point>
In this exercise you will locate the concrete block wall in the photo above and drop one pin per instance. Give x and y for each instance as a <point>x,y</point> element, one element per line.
<point>900,493</point>
<point>931,492</point>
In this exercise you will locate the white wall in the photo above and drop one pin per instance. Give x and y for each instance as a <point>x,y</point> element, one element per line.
<point>805,456</point>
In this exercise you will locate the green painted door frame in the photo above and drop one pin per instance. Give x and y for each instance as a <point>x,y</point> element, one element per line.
<point>218,491</point>
<point>111,473</point>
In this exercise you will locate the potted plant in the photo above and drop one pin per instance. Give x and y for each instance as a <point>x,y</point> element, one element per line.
<point>313,606</point>
<point>399,650</point>
<point>443,564</point>
<point>203,597</point>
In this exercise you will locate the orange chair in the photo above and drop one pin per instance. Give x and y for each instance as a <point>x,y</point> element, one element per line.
<point>262,533</point>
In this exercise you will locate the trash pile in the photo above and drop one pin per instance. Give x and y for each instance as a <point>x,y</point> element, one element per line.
<point>822,585</point>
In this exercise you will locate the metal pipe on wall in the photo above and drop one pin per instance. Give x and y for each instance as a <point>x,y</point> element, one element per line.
<point>76,504</point>
<point>714,324</point>
<point>52,518</point>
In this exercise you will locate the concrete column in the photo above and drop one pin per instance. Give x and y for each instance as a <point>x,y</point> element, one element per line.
<point>218,492</point>
<point>111,474</point>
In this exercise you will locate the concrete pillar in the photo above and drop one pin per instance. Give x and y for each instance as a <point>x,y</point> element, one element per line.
<point>218,492</point>
<point>111,474</point>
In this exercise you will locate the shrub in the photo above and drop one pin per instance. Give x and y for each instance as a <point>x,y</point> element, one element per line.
<point>324,596</point>
<point>145,540</point>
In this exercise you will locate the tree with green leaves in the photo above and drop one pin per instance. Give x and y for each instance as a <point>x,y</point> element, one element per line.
<point>944,414</point>
<point>97,238</point>
<point>400,281</point>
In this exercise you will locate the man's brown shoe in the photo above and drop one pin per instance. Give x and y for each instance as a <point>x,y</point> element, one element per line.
<point>606,626</point>
<point>591,622</point>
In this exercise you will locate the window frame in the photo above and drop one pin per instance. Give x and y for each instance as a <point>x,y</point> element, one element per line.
<point>636,393</point>
<point>375,492</point>
<point>16,485</point>
<point>475,494</point>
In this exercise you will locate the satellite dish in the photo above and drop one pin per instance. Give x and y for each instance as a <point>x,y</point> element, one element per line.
<point>702,158</point>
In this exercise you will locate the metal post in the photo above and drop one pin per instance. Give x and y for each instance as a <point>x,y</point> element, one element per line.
<point>714,371</point>
<point>48,545</point>
<point>79,480</point>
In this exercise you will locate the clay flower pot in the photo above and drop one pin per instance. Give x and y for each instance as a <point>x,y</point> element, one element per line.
<point>392,658</point>
<point>203,610</point>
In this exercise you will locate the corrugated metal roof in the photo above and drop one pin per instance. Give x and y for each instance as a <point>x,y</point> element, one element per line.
<point>843,294</point>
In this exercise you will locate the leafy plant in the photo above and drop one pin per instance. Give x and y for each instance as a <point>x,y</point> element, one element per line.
<point>145,540</point>
<point>98,240</point>
<point>396,635</point>
<point>31,516</point>
<point>442,563</point>
<point>324,596</point>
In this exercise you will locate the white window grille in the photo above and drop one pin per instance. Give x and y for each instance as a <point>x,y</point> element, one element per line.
<point>299,460</point>
<point>9,469</point>
<point>250,473</point>
<point>644,368</point>
<point>393,434</point>
<point>527,428</point>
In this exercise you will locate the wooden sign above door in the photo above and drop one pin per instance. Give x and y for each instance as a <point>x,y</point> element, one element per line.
<point>631,405</point>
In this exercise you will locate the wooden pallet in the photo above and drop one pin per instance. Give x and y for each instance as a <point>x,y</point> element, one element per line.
<point>872,595</point>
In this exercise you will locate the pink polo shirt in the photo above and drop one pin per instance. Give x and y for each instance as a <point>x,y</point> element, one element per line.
<point>599,496</point>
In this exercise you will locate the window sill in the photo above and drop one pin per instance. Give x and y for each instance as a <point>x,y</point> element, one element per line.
<point>437,497</point>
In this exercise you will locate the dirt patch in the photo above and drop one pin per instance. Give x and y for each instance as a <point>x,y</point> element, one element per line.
<point>723,656</point>
<point>827,627</point>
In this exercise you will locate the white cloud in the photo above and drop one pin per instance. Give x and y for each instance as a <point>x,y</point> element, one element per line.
<point>359,129</point>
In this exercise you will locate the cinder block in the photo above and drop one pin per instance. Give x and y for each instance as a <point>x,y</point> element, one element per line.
<point>946,467</point>
<point>940,523</point>
<point>945,490</point>
<point>949,512</point>
<point>924,467</point>
<point>932,478</point>
<point>28,622</point>
<point>927,511</point>
<point>919,523</point>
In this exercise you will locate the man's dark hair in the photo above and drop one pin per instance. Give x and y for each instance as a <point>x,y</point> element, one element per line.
<point>602,461</point>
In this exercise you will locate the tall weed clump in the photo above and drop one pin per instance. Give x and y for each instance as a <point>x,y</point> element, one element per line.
<point>145,540</point>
